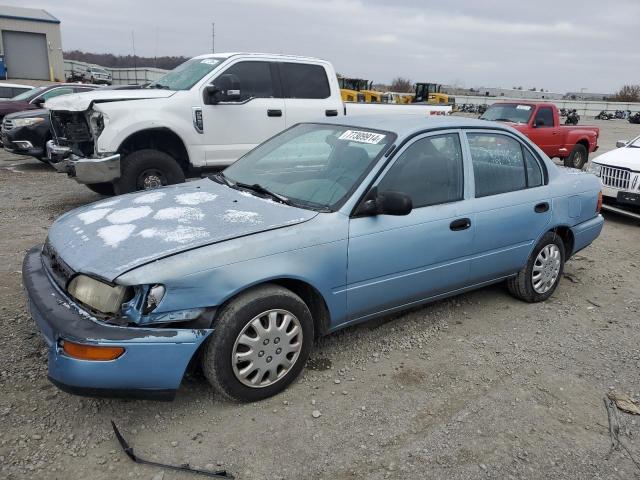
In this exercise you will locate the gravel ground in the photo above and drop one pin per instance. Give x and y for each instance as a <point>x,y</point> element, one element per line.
<point>477,386</point>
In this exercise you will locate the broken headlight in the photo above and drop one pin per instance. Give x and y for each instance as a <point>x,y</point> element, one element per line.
<point>154,297</point>
<point>96,124</point>
<point>98,295</point>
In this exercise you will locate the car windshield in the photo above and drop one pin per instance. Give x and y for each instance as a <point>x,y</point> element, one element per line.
<point>29,94</point>
<point>310,165</point>
<point>99,70</point>
<point>186,75</point>
<point>508,112</point>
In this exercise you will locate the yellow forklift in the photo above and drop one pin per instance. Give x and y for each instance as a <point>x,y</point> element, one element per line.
<point>432,93</point>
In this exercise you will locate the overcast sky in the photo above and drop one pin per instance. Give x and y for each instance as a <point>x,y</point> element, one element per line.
<point>560,45</point>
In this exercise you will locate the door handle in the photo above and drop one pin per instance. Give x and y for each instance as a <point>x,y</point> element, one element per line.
<point>542,207</point>
<point>331,113</point>
<point>460,224</point>
<point>274,113</point>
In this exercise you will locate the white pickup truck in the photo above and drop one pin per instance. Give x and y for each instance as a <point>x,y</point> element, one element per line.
<point>206,113</point>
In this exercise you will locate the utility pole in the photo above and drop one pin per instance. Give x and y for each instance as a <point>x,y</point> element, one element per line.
<point>135,63</point>
<point>213,37</point>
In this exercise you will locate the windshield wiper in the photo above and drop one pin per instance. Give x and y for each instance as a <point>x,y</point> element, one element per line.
<point>158,85</point>
<point>256,187</point>
<point>220,178</point>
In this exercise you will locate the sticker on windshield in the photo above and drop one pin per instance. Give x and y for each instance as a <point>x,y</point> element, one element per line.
<point>524,107</point>
<point>362,137</point>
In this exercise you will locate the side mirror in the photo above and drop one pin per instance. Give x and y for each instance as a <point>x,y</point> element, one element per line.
<point>39,102</point>
<point>621,143</point>
<point>226,89</point>
<point>385,203</point>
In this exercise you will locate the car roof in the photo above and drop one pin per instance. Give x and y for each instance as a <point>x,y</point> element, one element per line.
<point>406,125</point>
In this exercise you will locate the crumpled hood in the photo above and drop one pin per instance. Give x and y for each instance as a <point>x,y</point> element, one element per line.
<point>110,237</point>
<point>621,157</point>
<point>79,102</point>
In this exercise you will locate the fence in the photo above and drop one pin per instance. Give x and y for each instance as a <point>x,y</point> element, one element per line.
<point>584,108</point>
<point>120,76</point>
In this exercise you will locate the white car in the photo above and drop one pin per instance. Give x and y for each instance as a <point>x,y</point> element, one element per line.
<point>10,90</point>
<point>207,112</point>
<point>619,172</point>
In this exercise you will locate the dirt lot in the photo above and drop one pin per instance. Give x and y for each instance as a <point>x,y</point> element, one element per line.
<point>477,386</point>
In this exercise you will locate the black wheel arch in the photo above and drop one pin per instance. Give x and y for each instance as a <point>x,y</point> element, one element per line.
<point>160,138</point>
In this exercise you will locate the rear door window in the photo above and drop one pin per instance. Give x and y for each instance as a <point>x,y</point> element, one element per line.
<point>303,80</point>
<point>498,163</point>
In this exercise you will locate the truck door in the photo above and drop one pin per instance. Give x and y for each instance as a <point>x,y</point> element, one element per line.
<point>232,128</point>
<point>307,93</point>
<point>545,132</point>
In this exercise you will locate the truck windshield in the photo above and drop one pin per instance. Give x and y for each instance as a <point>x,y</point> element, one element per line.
<point>508,112</point>
<point>186,75</point>
<point>312,166</point>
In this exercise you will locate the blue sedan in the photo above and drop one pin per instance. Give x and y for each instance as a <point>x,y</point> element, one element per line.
<point>325,225</point>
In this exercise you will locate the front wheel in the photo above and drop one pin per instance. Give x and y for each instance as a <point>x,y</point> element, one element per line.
<point>578,157</point>
<point>147,169</point>
<point>539,278</point>
<point>260,344</point>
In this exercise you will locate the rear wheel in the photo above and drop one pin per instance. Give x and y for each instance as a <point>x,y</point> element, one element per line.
<point>260,344</point>
<point>539,278</point>
<point>104,188</point>
<point>147,169</point>
<point>578,157</point>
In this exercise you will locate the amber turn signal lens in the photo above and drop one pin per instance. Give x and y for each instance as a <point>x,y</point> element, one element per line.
<point>599,205</point>
<point>91,352</point>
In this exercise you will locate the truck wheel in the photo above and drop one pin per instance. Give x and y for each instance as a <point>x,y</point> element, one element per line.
<point>147,169</point>
<point>577,158</point>
<point>539,278</point>
<point>261,343</point>
<point>105,188</point>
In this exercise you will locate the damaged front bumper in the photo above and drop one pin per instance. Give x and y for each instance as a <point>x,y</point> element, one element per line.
<point>152,365</point>
<point>83,170</point>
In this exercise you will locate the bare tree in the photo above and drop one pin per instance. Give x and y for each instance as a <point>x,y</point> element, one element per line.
<point>401,85</point>
<point>628,93</point>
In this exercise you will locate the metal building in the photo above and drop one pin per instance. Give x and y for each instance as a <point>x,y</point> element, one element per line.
<point>30,43</point>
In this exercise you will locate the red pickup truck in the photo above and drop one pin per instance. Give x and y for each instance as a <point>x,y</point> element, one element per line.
<point>541,123</point>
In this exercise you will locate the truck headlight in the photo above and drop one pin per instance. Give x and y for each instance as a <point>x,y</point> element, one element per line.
<point>98,295</point>
<point>595,168</point>
<point>96,123</point>
<point>26,122</point>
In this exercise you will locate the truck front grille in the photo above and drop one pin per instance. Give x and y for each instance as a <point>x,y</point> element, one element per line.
<point>615,177</point>
<point>72,130</point>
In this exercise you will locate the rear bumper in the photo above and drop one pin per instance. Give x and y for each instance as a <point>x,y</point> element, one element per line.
<point>83,170</point>
<point>586,232</point>
<point>152,366</point>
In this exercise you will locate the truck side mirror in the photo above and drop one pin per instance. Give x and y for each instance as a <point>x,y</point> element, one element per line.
<point>621,143</point>
<point>226,89</point>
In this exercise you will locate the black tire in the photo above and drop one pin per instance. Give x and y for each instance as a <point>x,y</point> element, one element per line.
<point>139,167</point>
<point>521,286</point>
<point>578,157</point>
<point>105,188</point>
<point>232,320</point>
